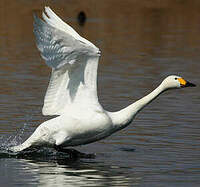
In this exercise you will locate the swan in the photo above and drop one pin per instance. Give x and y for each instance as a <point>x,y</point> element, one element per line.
<point>72,91</point>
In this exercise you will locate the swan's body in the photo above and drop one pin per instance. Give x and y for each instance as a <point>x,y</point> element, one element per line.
<point>72,91</point>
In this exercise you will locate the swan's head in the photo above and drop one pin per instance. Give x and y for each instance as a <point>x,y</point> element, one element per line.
<point>174,81</point>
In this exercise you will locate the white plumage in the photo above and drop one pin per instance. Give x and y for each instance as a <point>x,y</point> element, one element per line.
<point>72,90</point>
<point>73,60</point>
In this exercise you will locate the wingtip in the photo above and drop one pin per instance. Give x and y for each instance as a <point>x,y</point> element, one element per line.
<point>36,18</point>
<point>46,8</point>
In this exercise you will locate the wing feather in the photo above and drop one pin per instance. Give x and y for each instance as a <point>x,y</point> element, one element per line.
<point>73,60</point>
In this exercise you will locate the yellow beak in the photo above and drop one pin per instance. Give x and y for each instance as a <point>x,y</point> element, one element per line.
<point>185,83</point>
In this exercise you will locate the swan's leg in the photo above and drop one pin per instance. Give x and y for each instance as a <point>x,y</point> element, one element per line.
<point>74,153</point>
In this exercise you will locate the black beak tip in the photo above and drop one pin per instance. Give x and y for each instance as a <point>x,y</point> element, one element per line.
<point>189,84</point>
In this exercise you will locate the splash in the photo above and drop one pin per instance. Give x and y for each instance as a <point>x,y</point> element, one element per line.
<point>15,139</point>
<point>8,141</point>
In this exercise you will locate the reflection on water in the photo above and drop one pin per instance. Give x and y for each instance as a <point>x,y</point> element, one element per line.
<point>141,43</point>
<point>48,167</point>
<point>73,174</point>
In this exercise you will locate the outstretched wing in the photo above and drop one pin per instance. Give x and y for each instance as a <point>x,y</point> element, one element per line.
<point>73,60</point>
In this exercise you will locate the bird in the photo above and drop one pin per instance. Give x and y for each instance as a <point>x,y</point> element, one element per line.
<point>72,91</point>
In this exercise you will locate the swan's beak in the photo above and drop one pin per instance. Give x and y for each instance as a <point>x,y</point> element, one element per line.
<point>185,83</point>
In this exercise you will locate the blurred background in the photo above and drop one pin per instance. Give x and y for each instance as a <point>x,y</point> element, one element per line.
<point>141,42</point>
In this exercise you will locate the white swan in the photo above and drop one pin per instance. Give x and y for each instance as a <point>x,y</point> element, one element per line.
<point>72,91</point>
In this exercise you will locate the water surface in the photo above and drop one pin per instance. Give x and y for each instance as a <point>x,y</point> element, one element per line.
<point>141,42</point>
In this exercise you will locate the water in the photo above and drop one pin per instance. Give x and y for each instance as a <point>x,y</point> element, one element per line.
<point>141,43</point>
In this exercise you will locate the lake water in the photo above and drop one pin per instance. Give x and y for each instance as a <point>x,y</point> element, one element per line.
<point>141,42</point>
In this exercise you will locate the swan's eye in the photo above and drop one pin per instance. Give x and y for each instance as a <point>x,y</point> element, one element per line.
<point>176,78</point>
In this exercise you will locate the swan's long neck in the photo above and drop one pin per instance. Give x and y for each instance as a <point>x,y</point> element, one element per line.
<point>124,117</point>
